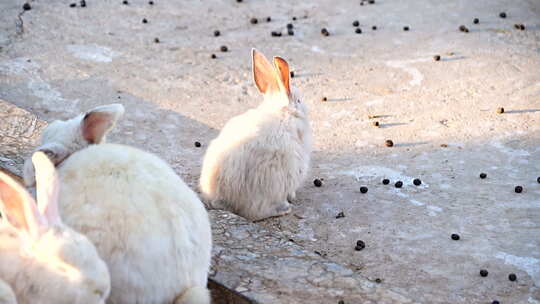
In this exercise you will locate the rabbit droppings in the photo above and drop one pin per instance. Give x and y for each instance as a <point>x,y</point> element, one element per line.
<point>261,157</point>
<point>41,259</point>
<point>147,224</point>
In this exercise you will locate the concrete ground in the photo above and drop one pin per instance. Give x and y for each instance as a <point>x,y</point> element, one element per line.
<point>57,61</point>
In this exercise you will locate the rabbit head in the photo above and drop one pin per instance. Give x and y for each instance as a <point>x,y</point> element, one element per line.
<point>43,260</point>
<point>273,81</point>
<point>62,138</point>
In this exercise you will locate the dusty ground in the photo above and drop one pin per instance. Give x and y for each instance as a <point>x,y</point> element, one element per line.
<point>61,60</point>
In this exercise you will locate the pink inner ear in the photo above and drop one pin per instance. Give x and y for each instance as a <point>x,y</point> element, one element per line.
<point>19,208</point>
<point>95,125</point>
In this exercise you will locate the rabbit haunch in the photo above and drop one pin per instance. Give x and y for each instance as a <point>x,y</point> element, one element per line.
<point>41,259</point>
<point>261,157</point>
<point>147,224</point>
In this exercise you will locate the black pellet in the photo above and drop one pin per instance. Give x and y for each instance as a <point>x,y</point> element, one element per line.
<point>125,2</point>
<point>156,40</point>
<point>538,179</point>
<point>437,57</point>
<point>289,26</point>
<point>324,99</point>
<point>197,144</point>
<point>500,110</point>
<point>217,33</point>
<point>294,18</point>
<point>83,3</point>
<point>360,245</point>
<point>376,124</point>
<point>398,184</point>
<point>476,21</point>
<point>358,30</point>
<point>325,32</point>
<point>73,5</point>
<point>483,273</point>
<point>455,236</point>
<point>389,143</point>
<point>254,21</point>
<point>374,27</point>
<point>512,277</point>
<point>386,181</point>
<point>405,28</point>
<point>317,182</point>
<point>268,19</point>
<point>223,48</point>
<point>276,34</point>
<point>502,15</point>
<point>213,56</point>
<point>151,2</point>
<point>26,6</point>
<point>518,189</point>
<point>371,1</point>
<point>292,74</point>
<point>144,20</point>
<point>340,215</point>
<point>356,23</point>
<point>363,189</point>
<point>290,32</point>
<point>463,28</point>
<point>483,175</point>
<point>417,182</point>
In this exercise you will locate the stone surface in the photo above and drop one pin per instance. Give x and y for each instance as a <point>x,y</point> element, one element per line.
<point>56,61</point>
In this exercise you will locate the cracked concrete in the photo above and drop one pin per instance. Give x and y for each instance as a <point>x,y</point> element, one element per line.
<point>441,116</point>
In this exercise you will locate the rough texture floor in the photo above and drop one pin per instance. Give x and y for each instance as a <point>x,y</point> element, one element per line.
<point>57,61</point>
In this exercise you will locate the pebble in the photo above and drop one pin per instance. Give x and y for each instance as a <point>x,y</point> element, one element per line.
<point>254,21</point>
<point>500,110</point>
<point>386,181</point>
<point>502,15</point>
<point>483,273</point>
<point>437,57</point>
<point>144,20</point>
<point>197,144</point>
<point>213,56</point>
<point>417,182</point>
<point>340,215</point>
<point>476,21</point>
<point>217,33</point>
<point>223,48</point>
<point>26,6</point>
<point>317,182</point>
<point>512,277</point>
<point>398,184</point>
<point>376,124</point>
<point>389,143</point>
<point>405,28</point>
<point>358,30</point>
<point>483,175</point>
<point>518,189</point>
<point>455,237</point>
<point>325,32</point>
<point>463,28</point>
<point>356,23</point>
<point>360,245</point>
<point>363,189</point>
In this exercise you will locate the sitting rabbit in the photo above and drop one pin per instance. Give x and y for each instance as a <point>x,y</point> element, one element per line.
<point>261,157</point>
<point>42,259</point>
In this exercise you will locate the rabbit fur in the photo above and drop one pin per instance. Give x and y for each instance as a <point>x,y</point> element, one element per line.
<point>148,225</point>
<point>260,157</point>
<point>43,260</point>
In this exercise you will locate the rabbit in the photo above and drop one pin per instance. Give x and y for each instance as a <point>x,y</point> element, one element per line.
<point>6,294</point>
<point>62,138</point>
<point>260,158</point>
<point>41,258</point>
<point>147,224</point>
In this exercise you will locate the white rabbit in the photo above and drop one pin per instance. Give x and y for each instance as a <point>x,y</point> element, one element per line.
<point>61,138</point>
<point>147,224</point>
<point>6,294</point>
<point>41,259</point>
<point>261,157</point>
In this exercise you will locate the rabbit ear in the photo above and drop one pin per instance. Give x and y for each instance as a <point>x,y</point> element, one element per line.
<point>284,74</point>
<point>19,208</point>
<point>98,121</point>
<point>264,74</point>
<point>46,188</point>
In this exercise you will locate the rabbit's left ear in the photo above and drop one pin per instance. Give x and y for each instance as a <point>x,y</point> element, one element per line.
<point>283,72</point>
<point>46,188</point>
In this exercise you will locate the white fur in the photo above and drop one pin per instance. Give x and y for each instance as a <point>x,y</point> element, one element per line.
<point>260,157</point>
<point>41,259</point>
<point>6,294</point>
<point>61,138</point>
<point>147,224</point>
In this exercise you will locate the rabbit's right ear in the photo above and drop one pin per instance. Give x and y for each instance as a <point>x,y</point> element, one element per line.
<point>18,208</point>
<point>46,188</point>
<point>97,122</point>
<point>264,74</point>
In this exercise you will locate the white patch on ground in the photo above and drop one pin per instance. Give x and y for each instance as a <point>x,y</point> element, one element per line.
<point>377,172</point>
<point>373,102</point>
<point>433,210</point>
<point>51,98</point>
<point>341,114</point>
<point>417,76</point>
<point>528,264</point>
<point>417,203</point>
<point>512,153</point>
<point>92,52</point>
